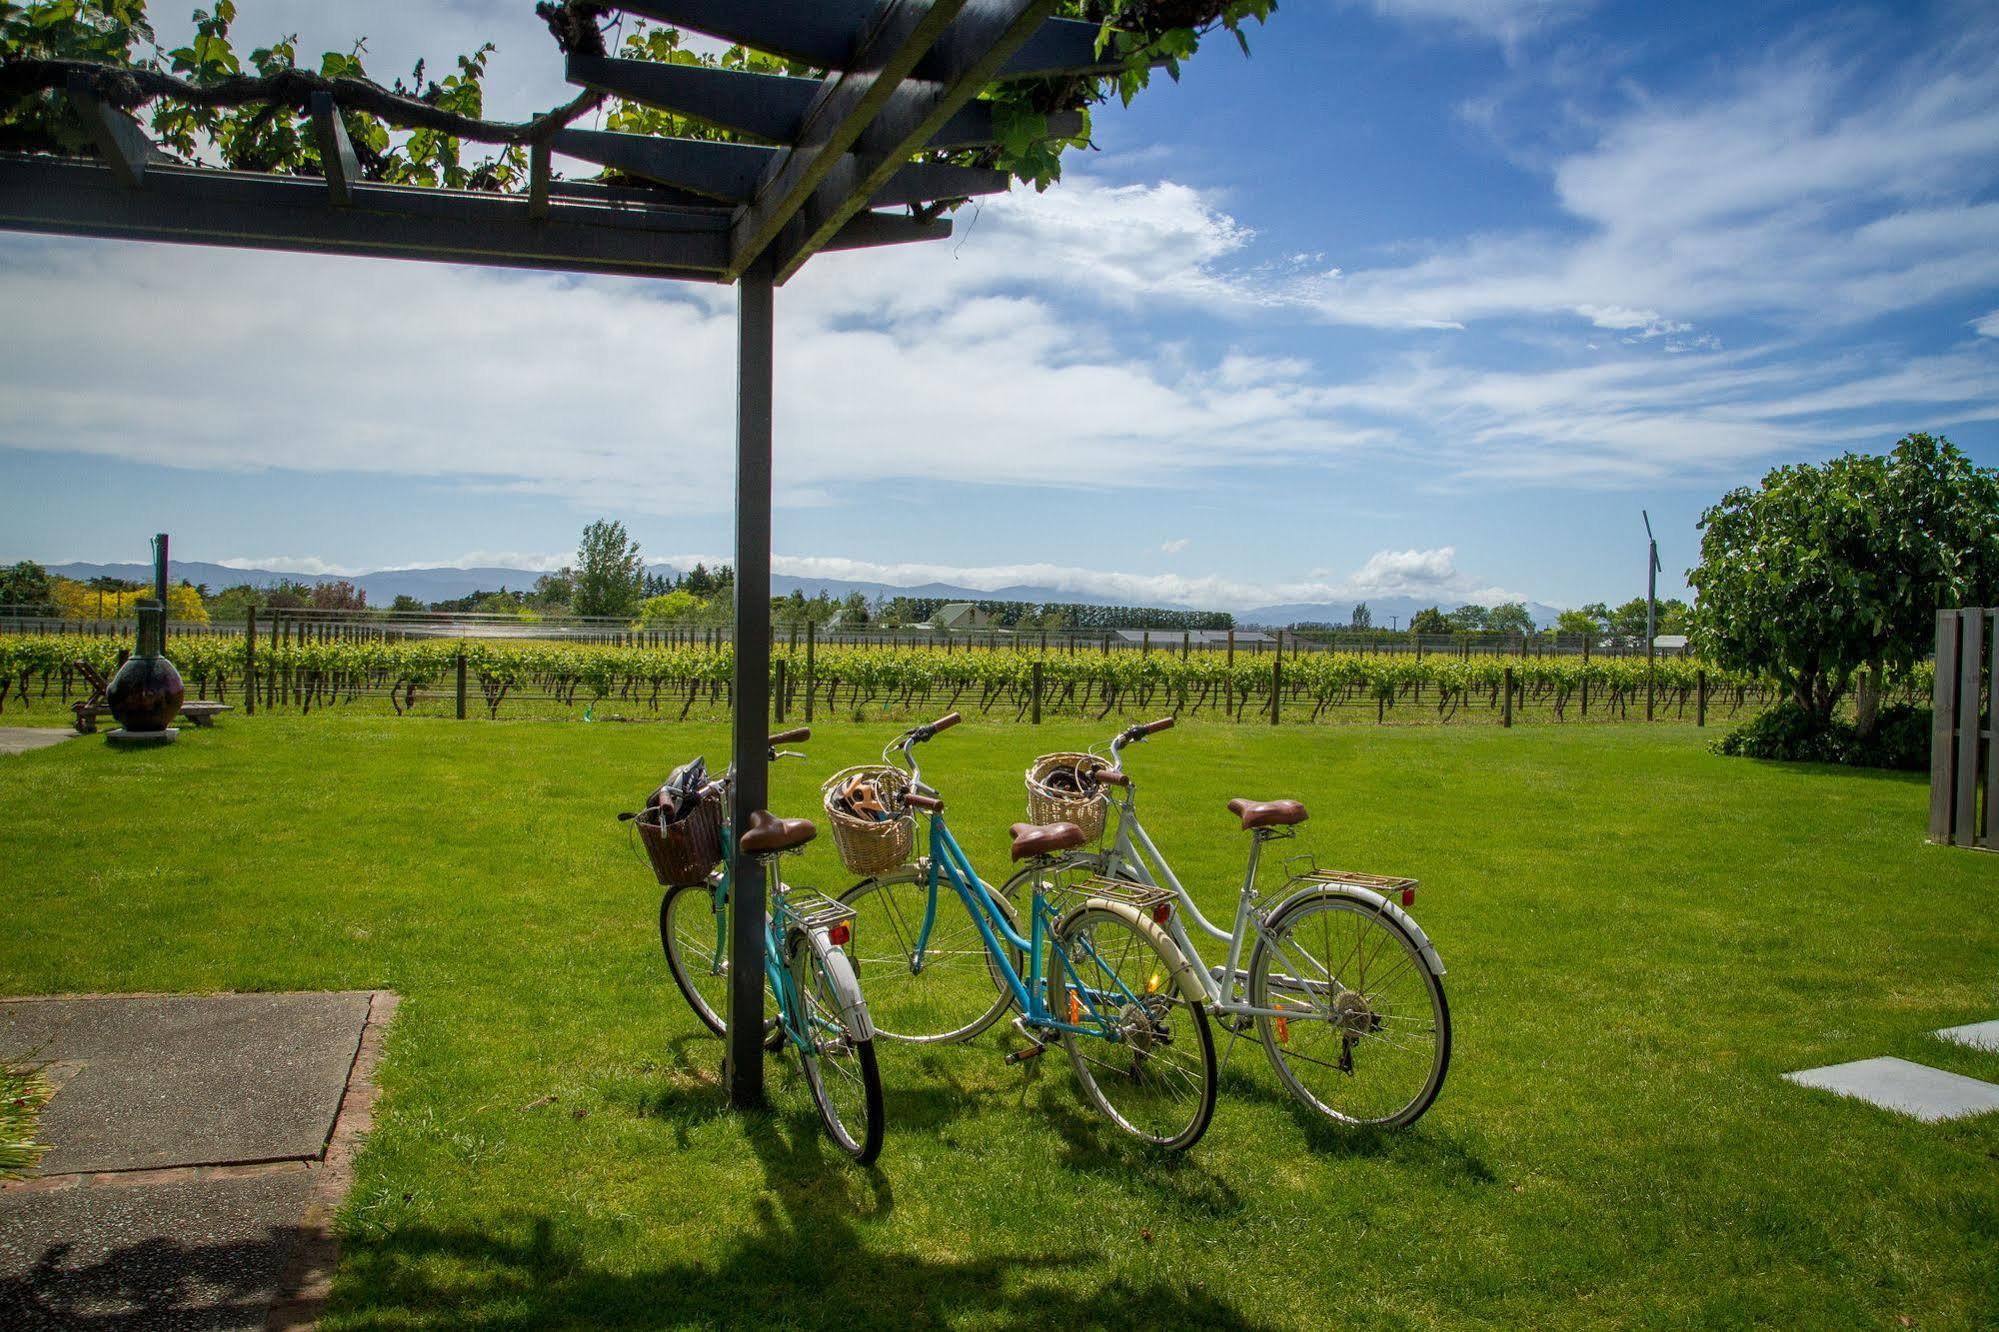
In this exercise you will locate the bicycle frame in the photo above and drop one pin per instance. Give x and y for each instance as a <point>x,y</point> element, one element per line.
<point>1134,853</point>
<point>776,922</point>
<point>948,862</point>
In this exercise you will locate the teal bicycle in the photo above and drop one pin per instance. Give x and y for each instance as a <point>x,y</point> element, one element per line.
<point>1097,973</point>
<point>821,1015</point>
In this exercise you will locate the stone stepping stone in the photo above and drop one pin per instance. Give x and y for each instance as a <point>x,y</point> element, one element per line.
<point>1977,1035</point>
<point>1925,1093</point>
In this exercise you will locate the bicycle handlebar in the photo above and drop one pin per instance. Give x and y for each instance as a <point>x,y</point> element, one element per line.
<point>796,736</point>
<point>928,729</point>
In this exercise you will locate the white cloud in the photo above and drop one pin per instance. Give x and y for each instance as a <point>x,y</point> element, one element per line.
<point>1504,21</point>
<point>291,564</point>
<point>1428,574</point>
<point>1988,327</point>
<point>1176,545</point>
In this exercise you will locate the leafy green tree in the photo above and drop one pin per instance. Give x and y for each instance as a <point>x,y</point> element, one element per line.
<point>1469,618</point>
<point>1628,620</point>
<point>338,595</point>
<point>405,604</point>
<point>854,611</point>
<point>677,607</point>
<point>1590,622</point>
<point>1512,618</point>
<point>554,591</point>
<point>1362,618</point>
<point>609,572</point>
<point>1430,620</point>
<point>1824,572</point>
<point>26,589</point>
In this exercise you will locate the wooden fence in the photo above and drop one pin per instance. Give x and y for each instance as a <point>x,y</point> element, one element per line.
<point>1963,754</point>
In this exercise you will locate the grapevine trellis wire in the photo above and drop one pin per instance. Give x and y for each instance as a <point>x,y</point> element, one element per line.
<point>838,155</point>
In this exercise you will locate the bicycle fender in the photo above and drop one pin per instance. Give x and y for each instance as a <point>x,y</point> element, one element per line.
<point>1387,907</point>
<point>846,987</point>
<point>1184,978</point>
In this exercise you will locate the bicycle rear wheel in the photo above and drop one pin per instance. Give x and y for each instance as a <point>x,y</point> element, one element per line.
<point>1370,1041</point>
<point>1152,1070</point>
<point>955,993</point>
<point>839,1066</point>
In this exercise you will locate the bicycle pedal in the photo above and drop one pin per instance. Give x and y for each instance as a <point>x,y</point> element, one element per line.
<point>1022,1056</point>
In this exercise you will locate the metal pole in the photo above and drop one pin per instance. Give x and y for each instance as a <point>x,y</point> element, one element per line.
<point>250,661</point>
<point>1651,610</point>
<point>743,1066</point>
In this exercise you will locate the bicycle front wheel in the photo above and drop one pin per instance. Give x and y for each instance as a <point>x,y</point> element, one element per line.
<point>695,938</point>
<point>1152,1066</point>
<point>954,991</point>
<point>839,1066</point>
<point>1365,1037</point>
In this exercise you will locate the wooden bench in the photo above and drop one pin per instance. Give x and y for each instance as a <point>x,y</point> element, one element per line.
<point>199,711</point>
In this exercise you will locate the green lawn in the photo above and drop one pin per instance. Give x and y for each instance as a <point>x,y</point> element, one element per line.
<point>1641,937</point>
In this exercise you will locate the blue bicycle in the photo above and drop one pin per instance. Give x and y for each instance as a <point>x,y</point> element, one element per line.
<point>820,1012</point>
<point>1094,969</point>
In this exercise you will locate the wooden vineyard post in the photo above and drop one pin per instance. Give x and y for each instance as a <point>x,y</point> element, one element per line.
<point>1276,686</point>
<point>1943,726</point>
<point>1700,698</point>
<point>811,668</point>
<point>1506,708</point>
<point>461,684</point>
<point>1585,677</point>
<point>777,688</point>
<point>1037,693</point>
<point>1231,649</point>
<point>1970,624</point>
<point>249,661</point>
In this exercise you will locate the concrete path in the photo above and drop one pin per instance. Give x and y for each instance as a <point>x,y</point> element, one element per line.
<point>21,739</point>
<point>1917,1090</point>
<point>199,1146</point>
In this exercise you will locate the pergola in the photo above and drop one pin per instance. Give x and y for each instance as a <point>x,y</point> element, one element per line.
<point>903,78</point>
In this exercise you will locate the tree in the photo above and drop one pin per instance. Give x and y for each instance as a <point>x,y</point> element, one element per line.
<point>405,604</point>
<point>1469,618</point>
<point>26,589</point>
<point>1512,618</point>
<point>1583,623</point>
<point>609,572</point>
<point>854,611</point>
<point>677,607</point>
<point>339,595</point>
<point>1363,618</point>
<point>1429,621</point>
<point>554,591</point>
<point>1628,621</point>
<point>1825,571</point>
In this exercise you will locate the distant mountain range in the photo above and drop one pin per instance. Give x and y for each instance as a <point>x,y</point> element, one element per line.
<point>447,584</point>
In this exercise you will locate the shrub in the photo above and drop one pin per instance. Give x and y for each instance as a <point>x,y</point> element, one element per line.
<point>1789,733</point>
<point>23,1091</point>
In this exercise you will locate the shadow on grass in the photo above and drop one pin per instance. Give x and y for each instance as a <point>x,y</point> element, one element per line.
<point>801,1261</point>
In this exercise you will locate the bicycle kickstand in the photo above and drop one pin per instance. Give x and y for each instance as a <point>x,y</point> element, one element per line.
<point>1037,1046</point>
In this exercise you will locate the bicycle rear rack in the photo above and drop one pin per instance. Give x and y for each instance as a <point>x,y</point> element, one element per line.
<point>1385,884</point>
<point>1144,896</point>
<point>813,910</point>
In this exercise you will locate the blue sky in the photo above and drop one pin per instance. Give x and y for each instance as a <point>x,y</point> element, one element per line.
<point>1426,298</point>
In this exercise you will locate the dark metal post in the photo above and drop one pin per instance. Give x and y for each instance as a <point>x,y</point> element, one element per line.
<point>461,682</point>
<point>250,661</point>
<point>744,1069</point>
<point>811,670</point>
<point>1037,693</point>
<point>1506,710</point>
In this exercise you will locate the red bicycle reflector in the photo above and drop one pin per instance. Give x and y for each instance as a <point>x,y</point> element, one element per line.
<point>1408,897</point>
<point>839,934</point>
<point>1163,912</point>
<point>1283,1031</point>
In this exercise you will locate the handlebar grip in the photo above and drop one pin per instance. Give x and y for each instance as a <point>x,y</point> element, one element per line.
<point>798,735</point>
<point>931,803</point>
<point>1154,728</point>
<point>1110,777</point>
<point>928,729</point>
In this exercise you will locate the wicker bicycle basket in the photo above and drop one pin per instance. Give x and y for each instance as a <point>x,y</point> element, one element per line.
<point>686,851</point>
<point>1052,804</point>
<point>867,846</point>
